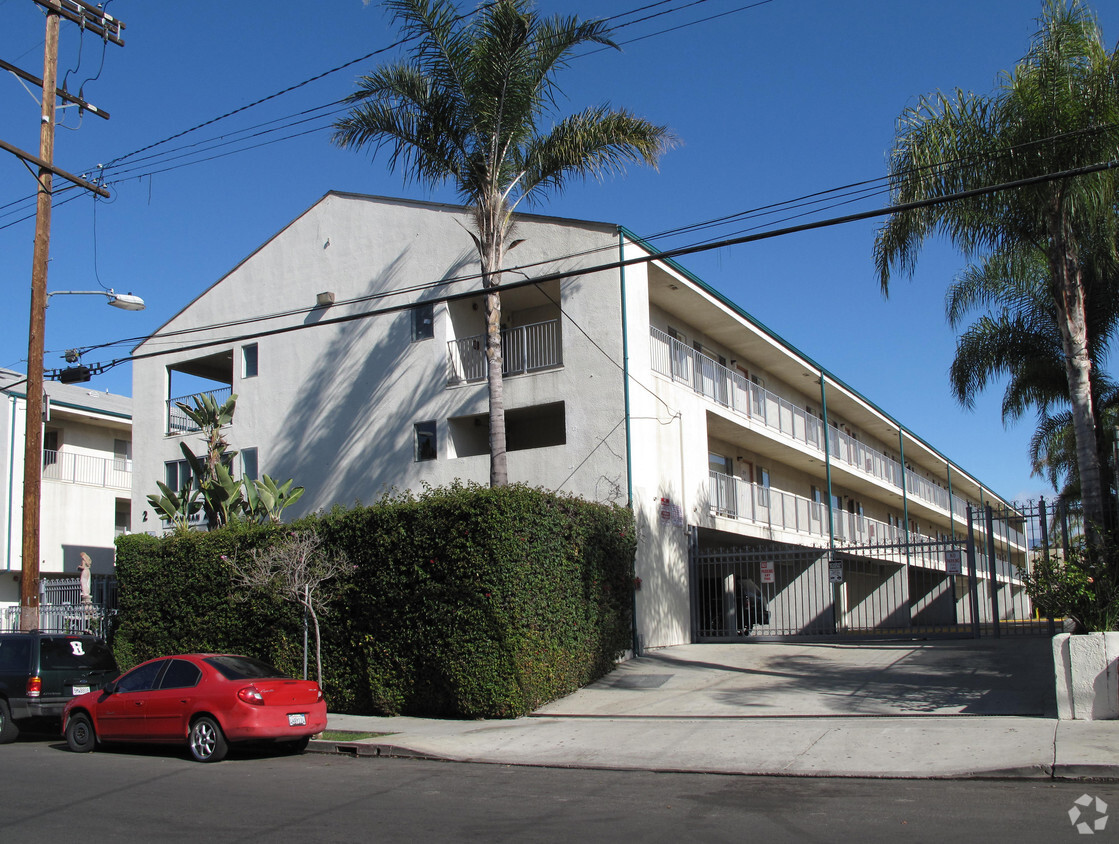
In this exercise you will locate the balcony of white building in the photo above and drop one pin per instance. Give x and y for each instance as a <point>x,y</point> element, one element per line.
<point>67,467</point>
<point>782,420</point>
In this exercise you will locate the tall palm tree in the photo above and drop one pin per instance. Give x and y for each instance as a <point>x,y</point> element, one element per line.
<point>468,107</point>
<point>1057,110</point>
<point>1017,336</point>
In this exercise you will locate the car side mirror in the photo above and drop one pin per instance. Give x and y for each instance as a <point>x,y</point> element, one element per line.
<point>109,687</point>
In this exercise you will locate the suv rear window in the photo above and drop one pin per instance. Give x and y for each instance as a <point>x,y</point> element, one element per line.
<point>15,654</point>
<point>64,652</point>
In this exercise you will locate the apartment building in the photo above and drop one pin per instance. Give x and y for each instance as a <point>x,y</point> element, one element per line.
<point>771,499</point>
<point>86,490</point>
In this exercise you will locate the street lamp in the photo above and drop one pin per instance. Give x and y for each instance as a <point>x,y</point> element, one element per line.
<point>124,301</point>
<point>33,436</point>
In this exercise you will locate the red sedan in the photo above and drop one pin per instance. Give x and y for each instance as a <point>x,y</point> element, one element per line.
<point>204,700</point>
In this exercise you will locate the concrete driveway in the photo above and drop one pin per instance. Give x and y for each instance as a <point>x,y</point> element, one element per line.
<point>1008,676</point>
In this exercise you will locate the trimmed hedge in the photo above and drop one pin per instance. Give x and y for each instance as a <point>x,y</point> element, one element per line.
<point>464,602</point>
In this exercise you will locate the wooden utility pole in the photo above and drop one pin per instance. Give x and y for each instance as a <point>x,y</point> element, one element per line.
<point>33,444</point>
<point>104,25</point>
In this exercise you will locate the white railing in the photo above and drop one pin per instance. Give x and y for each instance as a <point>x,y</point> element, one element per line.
<point>526,348</point>
<point>178,422</point>
<point>774,508</point>
<point>86,469</point>
<point>845,448</point>
<point>732,390</point>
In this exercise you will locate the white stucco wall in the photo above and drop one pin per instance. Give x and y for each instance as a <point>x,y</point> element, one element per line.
<point>334,406</point>
<point>77,505</point>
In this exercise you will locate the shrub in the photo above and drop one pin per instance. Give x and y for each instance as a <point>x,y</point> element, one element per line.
<point>463,602</point>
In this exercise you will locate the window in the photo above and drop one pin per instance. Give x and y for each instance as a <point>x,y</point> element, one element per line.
<point>180,675</point>
<point>123,518</point>
<point>425,444</point>
<point>178,475</point>
<point>250,357</point>
<point>141,679</point>
<point>50,447</point>
<point>423,322</point>
<point>122,455</point>
<point>763,487</point>
<point>719,463</point>
<point>249,464</point>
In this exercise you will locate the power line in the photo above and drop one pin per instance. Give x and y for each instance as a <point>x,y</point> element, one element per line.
<point>664,255</point>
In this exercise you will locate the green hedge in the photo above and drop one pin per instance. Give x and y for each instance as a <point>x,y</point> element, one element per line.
<point>464,602</point>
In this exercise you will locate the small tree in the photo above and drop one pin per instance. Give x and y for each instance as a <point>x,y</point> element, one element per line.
<point>298,569</point>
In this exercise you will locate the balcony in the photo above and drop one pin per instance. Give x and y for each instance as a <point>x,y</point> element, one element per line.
<point>738,499</point>
<point>774,509</point>
<point>731,390</point>
<point>526,348</point>
<point>178,422</point>
<point>87,470</point>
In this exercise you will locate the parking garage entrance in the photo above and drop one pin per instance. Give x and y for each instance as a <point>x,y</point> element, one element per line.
<point>751,590</point>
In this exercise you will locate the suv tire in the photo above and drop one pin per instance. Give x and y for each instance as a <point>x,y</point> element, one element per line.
<point>9,731</point>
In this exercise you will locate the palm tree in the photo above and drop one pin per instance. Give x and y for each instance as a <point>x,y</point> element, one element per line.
<point>1018,337</point>
<point>467,107</point>
<point>1058,110</point>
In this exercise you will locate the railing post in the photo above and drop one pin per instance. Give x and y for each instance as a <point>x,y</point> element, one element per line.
<point>992,567</point>
<point>1043,524</point>
<point>973,577</point>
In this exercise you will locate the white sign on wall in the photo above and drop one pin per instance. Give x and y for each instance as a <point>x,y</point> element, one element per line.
<point>835,571</point>
<point>768,574</point>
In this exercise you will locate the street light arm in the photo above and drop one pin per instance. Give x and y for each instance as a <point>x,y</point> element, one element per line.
<point>124,301</point>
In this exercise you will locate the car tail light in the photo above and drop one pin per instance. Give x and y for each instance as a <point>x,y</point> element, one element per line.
<point>34,686</point>
<point>319,694</point>
<point>250,694</point>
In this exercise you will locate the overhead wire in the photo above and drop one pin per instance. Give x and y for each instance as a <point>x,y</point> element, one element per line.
<point>662,255</point>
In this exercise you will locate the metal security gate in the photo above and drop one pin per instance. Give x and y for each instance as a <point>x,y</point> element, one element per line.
<point>967,587</point>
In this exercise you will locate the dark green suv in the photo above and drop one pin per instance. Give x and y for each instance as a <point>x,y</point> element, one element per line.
<point>40,672</point>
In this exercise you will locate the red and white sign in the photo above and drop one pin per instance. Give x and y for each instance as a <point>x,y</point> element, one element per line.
<point>768,574</point>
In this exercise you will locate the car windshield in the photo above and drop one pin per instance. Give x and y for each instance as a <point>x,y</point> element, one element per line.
<point>245,668</point>
<point>70,652</point>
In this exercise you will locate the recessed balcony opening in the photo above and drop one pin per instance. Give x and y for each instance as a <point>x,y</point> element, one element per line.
<point>538,426</point>
<point>212,375</point>
<point>531,338</point>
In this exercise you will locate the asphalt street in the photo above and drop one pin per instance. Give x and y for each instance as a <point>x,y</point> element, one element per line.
<point>50,794</point>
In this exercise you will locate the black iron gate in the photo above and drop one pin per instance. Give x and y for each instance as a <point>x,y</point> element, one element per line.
<point>966,587</point>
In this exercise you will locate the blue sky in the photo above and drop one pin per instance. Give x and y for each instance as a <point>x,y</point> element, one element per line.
<point>771,101</point>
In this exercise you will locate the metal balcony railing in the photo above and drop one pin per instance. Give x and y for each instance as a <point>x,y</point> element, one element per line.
<point>88,470</point>
<point>732,390</point>
<point>526,348</point>
<point>178,422</point>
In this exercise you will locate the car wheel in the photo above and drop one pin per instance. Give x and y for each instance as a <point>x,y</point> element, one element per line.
<point>295,747</point>
<point>8,729</point>
<point>80,737</point>
<point>207,743</point>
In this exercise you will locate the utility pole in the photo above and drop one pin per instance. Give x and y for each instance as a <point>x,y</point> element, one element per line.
<point>95,19</point>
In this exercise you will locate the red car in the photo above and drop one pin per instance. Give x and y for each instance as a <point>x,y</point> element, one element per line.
<point>205,700</point>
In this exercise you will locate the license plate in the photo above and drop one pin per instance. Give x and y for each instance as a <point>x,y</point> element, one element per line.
<point>297,719</point>
<point>81,690</point>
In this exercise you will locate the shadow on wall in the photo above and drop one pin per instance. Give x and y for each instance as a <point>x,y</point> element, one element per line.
<point>349,424</point>
<point>664,599</point>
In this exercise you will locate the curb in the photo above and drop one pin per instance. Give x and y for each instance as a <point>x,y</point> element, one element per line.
<point>370,749</point>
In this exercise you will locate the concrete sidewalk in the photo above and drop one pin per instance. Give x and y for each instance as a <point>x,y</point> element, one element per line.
<point>906,709</point>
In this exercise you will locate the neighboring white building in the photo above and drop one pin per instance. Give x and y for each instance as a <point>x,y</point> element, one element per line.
<point>354,342</point>
<point>86,487</point>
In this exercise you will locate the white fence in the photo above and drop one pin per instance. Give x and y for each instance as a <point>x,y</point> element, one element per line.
<point>86,469</point>
<point>526,348</point>
<point>732,390</point>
